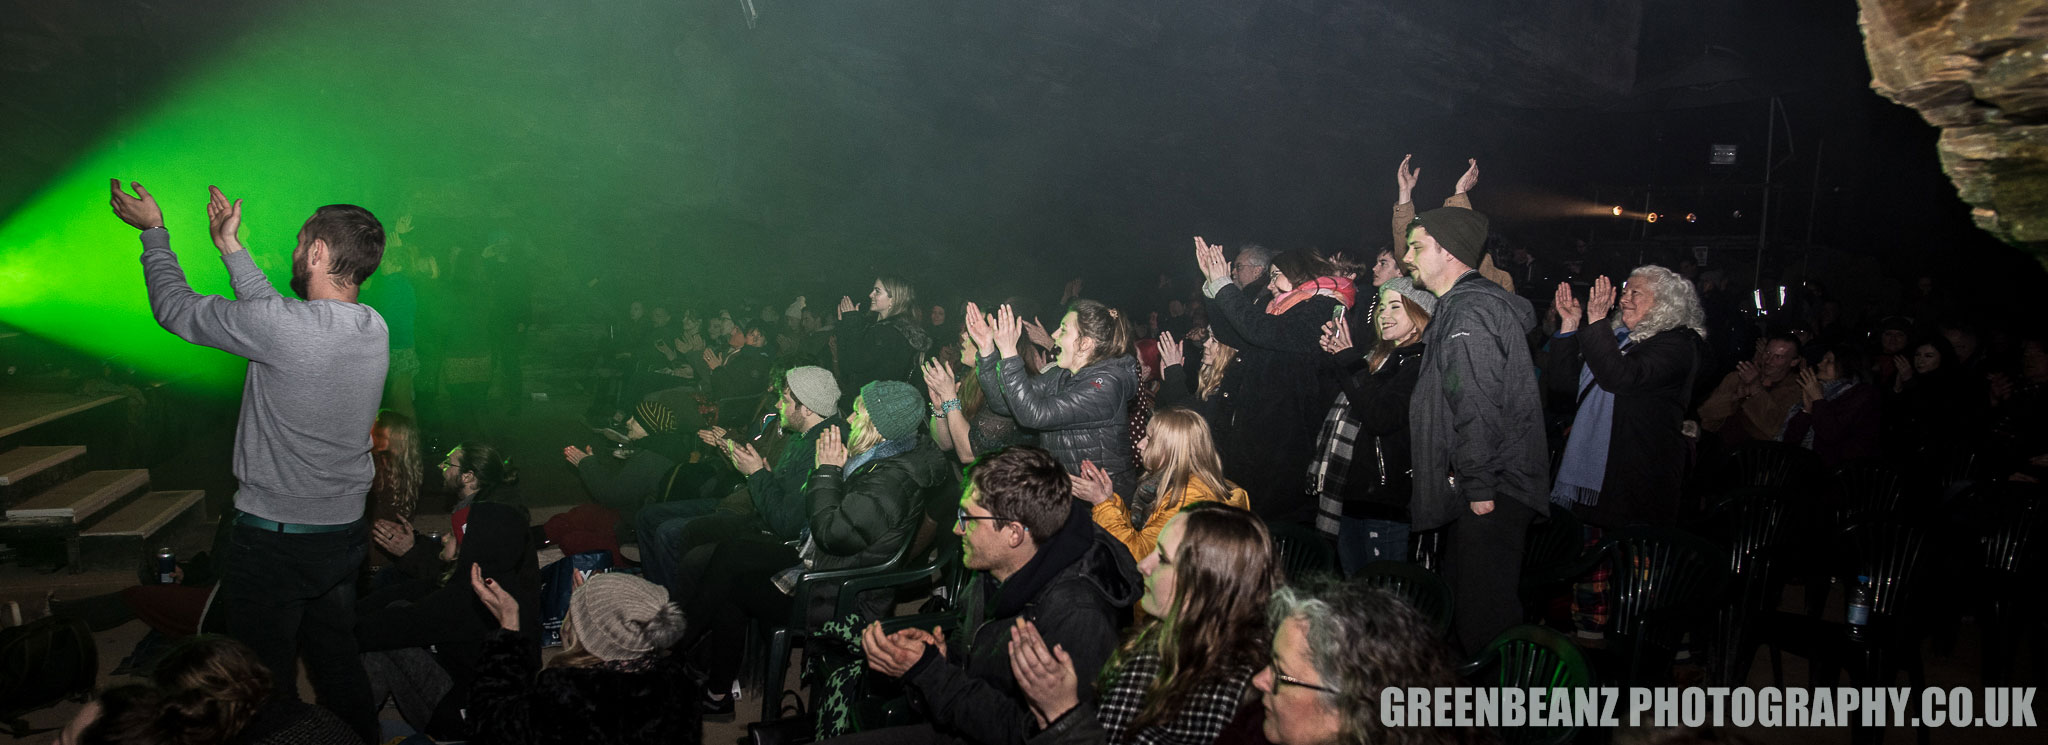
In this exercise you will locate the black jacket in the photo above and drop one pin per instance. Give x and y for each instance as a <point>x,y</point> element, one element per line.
<point>871,350</point>
<point>514,702</point>
<point>1082,415</point>
<point>1476,416</point>
<point>421,611</point>
<point>1281,392</point>
<point>861,520</point>
<point>1078,601</point>
<point>1652,386</point>
<point>1377,484</point>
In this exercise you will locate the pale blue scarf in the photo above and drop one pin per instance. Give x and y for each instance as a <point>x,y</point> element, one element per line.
<point>1584,469</point>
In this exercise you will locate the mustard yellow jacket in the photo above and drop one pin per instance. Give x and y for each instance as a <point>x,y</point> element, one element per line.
<point>1115,517</point>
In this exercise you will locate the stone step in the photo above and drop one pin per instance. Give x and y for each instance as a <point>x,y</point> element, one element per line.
<point>147,514</point>
<point>79,499</point>
<point>27,470</point>
<point>128,537</point>
<point>21,463</point>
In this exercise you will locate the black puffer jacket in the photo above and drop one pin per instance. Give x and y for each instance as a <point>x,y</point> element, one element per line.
<point>1074,591</point>
<point>514,702</point>
<point>1080,416</point>
<point>861,520</point>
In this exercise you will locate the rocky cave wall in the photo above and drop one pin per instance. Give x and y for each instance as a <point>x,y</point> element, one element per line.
<point>1977,69</point>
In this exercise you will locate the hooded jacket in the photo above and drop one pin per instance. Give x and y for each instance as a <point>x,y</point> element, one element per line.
<point>1083,415</point>
<point>1076,599</point>
<point>1476,416</point>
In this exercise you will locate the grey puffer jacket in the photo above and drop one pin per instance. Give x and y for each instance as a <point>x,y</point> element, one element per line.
<point>1476,417</point>
<point>1080,415</point>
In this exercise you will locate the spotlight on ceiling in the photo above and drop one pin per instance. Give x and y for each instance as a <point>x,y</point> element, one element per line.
<point>1617,210</point>
<point>1690,217</point>
<point>1652,217</point>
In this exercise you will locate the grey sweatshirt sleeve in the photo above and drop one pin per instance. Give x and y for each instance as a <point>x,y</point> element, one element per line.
<point>238,327</point>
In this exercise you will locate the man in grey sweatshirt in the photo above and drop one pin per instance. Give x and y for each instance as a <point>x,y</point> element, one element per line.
<point>302,445</point>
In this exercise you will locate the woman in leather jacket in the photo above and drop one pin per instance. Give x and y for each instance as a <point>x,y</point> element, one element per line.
<point>1080,405</point>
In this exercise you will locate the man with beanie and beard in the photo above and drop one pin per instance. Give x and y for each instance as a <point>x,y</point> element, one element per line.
<point>630,486</point>
<point>807,404</point>
<point>614,681</point>
<point>865,498</point>
<point>1038,556</point>
<point>1481,463</point>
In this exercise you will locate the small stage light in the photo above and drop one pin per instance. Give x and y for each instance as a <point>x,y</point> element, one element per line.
<point>1652,217</point>
<point>1617,211</point>
<point>1690,217</point>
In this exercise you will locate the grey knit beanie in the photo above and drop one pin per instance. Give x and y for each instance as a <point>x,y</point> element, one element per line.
<point>894,408</point>
<point>622,617</point>
<point>1414,295</point>
<point>815,388</point>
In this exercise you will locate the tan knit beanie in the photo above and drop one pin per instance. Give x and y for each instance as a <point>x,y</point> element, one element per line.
<point>622,617</point>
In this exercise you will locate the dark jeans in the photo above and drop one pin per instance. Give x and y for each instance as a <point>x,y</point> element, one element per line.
<point>1363,540</point>
<point>294,595</point>
<point>1483,563</point>
<point>738,586</point>
<point>659,528</point>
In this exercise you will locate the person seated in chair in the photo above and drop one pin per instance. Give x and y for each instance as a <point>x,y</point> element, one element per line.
<point>1043,558</point>
<point>865,499</point>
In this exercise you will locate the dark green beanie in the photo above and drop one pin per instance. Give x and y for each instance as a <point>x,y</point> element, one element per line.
<point>894,408</point>
<point>1460,231</point>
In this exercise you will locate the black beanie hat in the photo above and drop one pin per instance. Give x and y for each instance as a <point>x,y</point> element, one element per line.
<point>1460,231</point>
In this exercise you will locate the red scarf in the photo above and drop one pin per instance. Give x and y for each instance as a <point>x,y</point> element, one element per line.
<point>1336,287</point>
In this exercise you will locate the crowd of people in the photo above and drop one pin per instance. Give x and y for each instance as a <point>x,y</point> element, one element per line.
<point>1115,485</point>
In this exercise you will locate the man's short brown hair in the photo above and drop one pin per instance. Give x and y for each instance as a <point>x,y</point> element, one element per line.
<point>355,240</point>
<point>1025,485</point>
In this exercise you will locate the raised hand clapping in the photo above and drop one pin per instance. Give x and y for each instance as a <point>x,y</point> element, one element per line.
<point>1600,299</point>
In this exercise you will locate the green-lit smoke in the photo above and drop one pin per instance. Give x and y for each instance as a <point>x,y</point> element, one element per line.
<point>475,116</point>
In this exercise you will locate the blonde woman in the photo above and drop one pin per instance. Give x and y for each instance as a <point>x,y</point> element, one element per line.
<point>1181,468</point>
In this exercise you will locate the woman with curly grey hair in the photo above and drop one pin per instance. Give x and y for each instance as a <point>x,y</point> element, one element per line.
<point>1336,646</point>
<point>1632,378</point>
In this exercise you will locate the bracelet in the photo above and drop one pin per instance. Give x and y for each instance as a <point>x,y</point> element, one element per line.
<point>951,404</point>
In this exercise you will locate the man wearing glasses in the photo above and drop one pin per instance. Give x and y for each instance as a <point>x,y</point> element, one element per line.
<point>1041,558</point>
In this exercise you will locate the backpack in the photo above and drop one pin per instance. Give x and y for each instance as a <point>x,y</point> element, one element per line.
<point>43,662</point>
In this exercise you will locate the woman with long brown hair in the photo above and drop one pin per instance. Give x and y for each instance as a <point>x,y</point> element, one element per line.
<point>1185,677</point>
<point>1081,405</point>
<point>1360,472</point>
<point>1181,468</point>
<point>395,448</point>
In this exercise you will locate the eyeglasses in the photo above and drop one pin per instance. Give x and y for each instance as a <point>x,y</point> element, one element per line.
<point>964,517</point>
<point>1284,678</point>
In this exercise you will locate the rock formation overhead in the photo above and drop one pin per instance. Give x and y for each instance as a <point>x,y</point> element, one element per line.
<point>1978,69</point>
